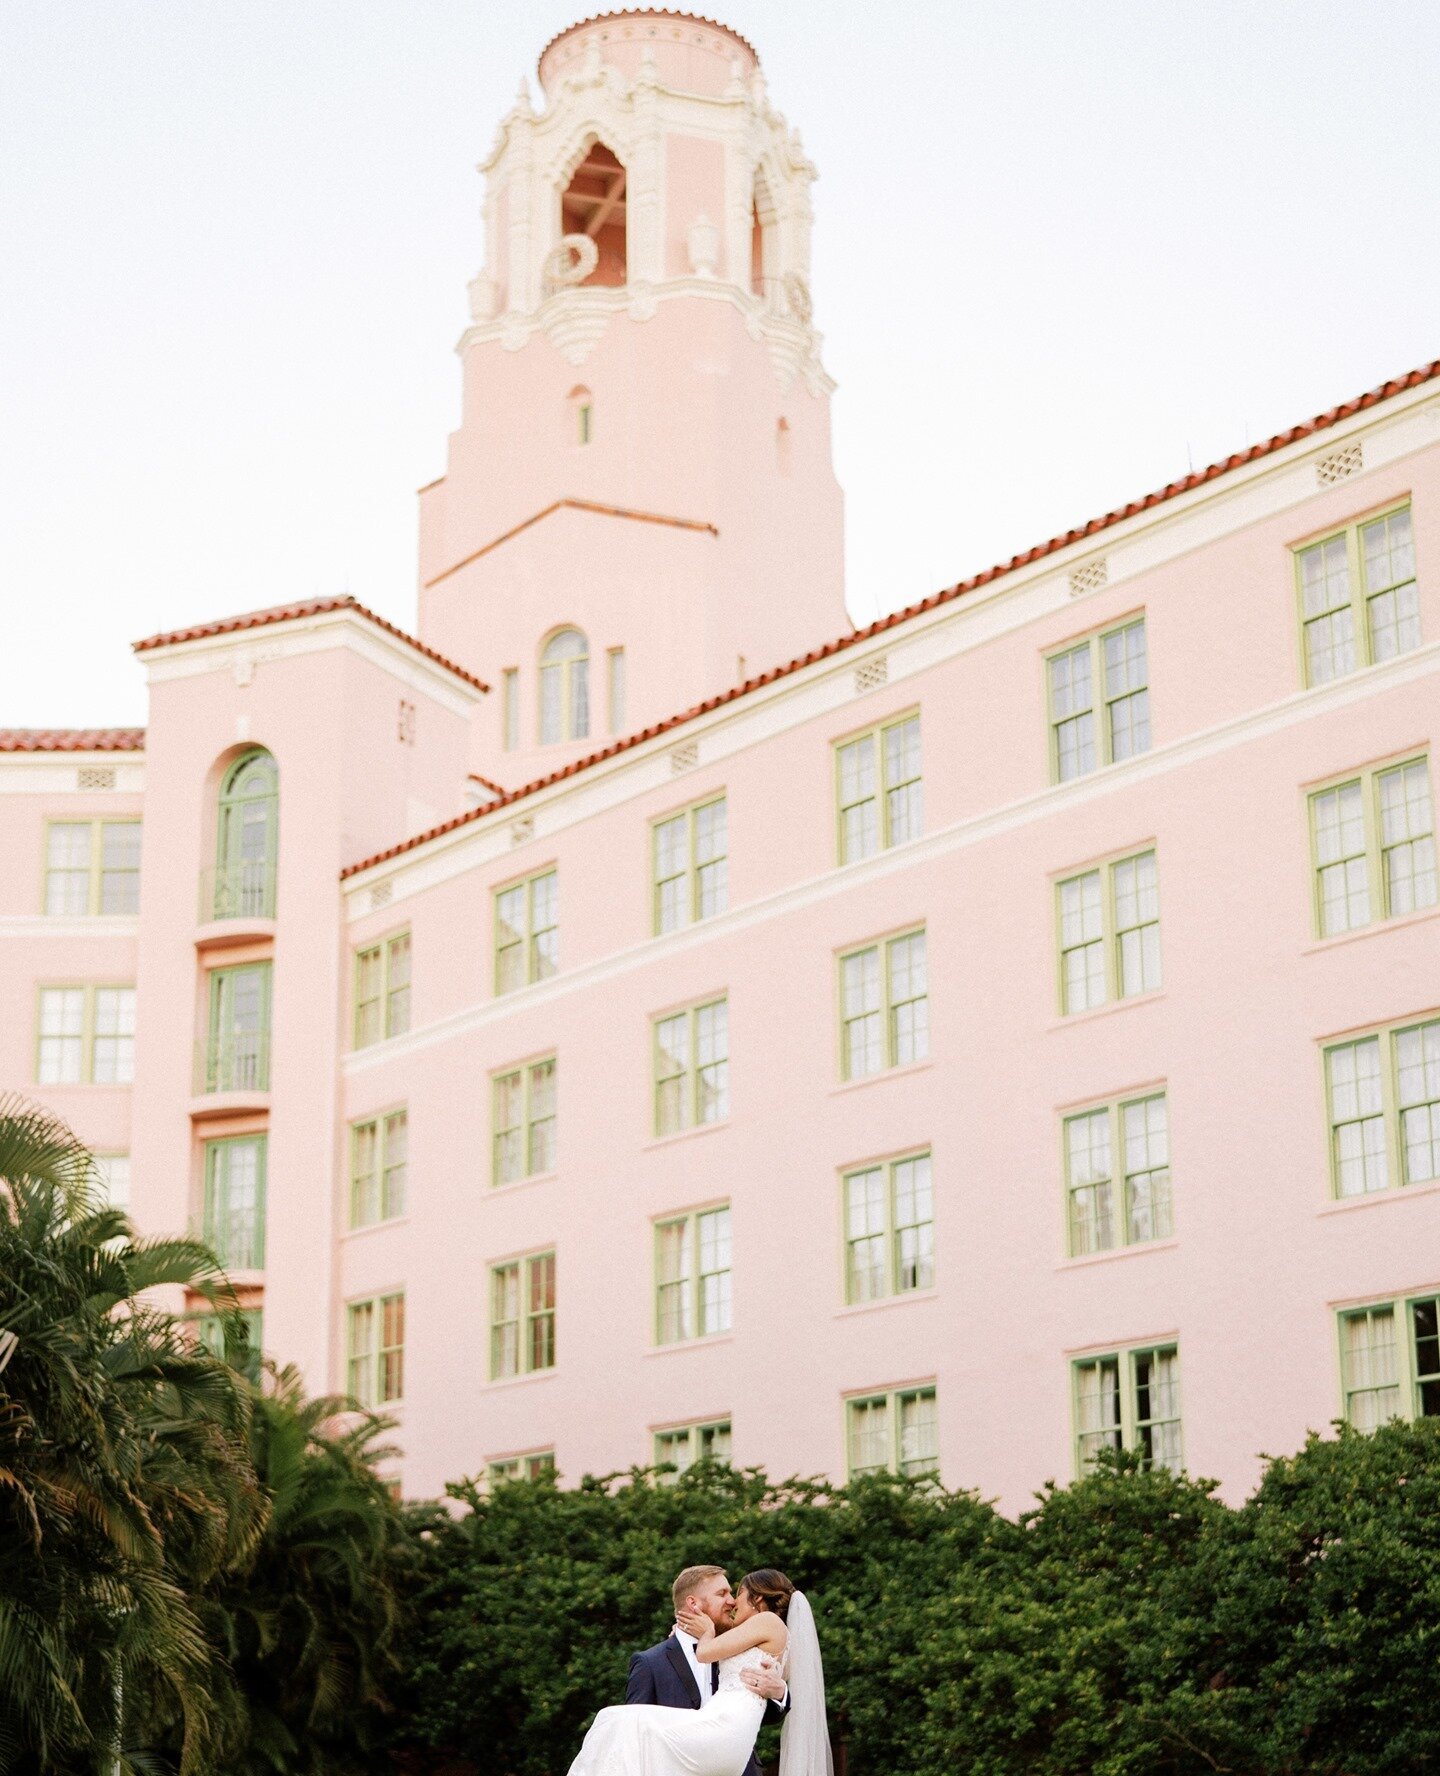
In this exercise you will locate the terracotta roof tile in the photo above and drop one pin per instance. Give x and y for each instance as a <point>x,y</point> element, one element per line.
<point>575,505</point>
<point>633,12</point>
<point>72,739</point>
<point>487,783</point>
<point>1321,422</point>
<point>286,613</point>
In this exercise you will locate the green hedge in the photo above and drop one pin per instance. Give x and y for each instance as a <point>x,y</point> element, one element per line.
<point>1129,1625</point>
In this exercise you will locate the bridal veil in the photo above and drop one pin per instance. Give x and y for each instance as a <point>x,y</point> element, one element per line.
<point>805,1737</point>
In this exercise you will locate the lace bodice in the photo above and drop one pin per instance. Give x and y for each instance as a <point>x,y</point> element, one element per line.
<point>730,1670</point>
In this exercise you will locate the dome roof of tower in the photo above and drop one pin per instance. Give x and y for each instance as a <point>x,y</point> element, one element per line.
<point>640,12</point>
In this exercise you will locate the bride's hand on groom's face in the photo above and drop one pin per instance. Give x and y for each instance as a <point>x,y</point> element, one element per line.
<point>694,1624</point>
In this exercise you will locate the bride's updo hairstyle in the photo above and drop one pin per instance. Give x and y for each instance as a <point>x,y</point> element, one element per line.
<point>770,1588</point>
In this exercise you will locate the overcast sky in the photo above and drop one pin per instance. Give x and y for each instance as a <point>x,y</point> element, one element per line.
<point>1064,249</point>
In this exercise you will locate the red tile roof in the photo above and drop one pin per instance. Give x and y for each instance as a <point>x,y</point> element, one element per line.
<point>72,739</point>
<point>286,613</point>
<point>575,505</point>
<point>1321,422</point>
<point>487,783</point>
<point>634,12</point>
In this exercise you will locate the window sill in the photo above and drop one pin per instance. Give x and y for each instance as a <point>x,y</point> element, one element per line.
<point>903,1299</point>
<point>708,1342</point>
<point>1393,1193</point>
<point>513,1184</point>
<point>700,1128</point>
<point>1070,1019</point>
<point>850,1085</point>
<point>351,1233</point>
<point>89,1085</point>
<point>1400,922</point>
<point>1109,1256</point>
<point>516,1381</point>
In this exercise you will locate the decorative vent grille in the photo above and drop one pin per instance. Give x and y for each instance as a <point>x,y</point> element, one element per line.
<point>1340,464</point>
<point>1090,576</point>
<point>683,758</point>
<point>871,674</point>
<point>522,829</point>
<point>380,895</point>
<point>95,777</point>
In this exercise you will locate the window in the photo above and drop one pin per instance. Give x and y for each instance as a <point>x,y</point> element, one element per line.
<point>112,1173</point>
<point>522,1316</point>
<point>521,1467</point>
<point>1099,701</point>
<point>1117,1175</point>
<point>878,788</point>
<point>1109,920</point>
<point>234,1222</point>
<point>523,1125</point>
<point>1129,1399</point>
<point>247,836</point>
<point>683,1445</point>
<point>527,931</point>
<point>594,204</point>
<point>379,1153</point>
<point>691,866</point>
<point>692,1067</point>
<point>237,1055</point>
<point>375,1342</point>
<point>1390,1361</point>
<point>898,1431</point>
<point>1357,595</point>
<point>233,1336</point>
<point>86,1036</point>
<point>1372,842</point>
<point>510,707</point>
<point>615,689</point>
<point>884,1006</point>
<point>564,687</point>
<point>1384,1095</point>
<point>584,414</point>
<point>692,1275</point>
<point>382,990</point>
<point>92,866</point>
<point>889,1229</point>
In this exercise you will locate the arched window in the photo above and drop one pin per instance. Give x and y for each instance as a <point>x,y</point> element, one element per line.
<point>248,829</point>
<point>593,204</point>
<point>582,414</point>
<point>564,687</point>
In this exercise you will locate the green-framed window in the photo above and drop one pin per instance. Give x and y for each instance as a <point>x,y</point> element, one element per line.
<point>379,1162</point>
<point>1108,927</point>
<point>522,1315</point>
<point>879,800</point>
<point>615,689</point>
<point>1372,846</point>
<point>510,708</point>
<point>532,1466</point>
<point>382,989</point>
<point>247,839</point>
<point>237,1046</point>
<point>1390,1360</point>
<point>92,867</point>
<point>1099,693</point>
<point>564,687</point>
<point>692,1275</point>
<point>85,1035</point>
<point>523,1120</point>
<point>681,1446</point>
<point>1117,1174</point>
<point>234,1218</point>
<point>1129,1399</point>
<point>889,1228</point>
<point>692,1067</point>
<point>1357,596</point>
<point>112,1175</point>
<point>375,1349</point>
<point>690,865</point>
<point>1384,1105</point>
<point>235,1337</point>
<point>884,1005</point>
<point>527,931</point>
<point>898,1430</point>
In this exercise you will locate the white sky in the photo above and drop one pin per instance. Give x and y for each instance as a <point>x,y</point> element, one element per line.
<point>1063,249</point>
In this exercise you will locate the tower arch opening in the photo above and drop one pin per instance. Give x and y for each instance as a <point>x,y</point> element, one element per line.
<point>593,204</point>
<point>764,239</point>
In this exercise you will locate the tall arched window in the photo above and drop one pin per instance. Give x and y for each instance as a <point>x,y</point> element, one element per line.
<point>593,203</point>
<point>248,830</point>
<point>564,687</point>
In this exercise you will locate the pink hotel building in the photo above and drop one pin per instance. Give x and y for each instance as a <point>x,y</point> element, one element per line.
<point>1001,1032</point>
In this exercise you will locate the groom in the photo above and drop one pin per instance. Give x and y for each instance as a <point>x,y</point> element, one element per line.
<point>671,1676</point>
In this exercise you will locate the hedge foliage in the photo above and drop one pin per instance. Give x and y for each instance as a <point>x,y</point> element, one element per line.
<point>1129,1625</point>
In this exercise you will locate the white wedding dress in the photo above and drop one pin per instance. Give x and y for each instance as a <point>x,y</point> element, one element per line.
<point>641,1739</point>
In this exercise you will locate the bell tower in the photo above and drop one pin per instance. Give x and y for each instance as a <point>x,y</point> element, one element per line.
<point>639,508</point>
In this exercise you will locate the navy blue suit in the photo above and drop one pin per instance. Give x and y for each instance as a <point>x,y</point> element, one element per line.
<point>661,1675</point>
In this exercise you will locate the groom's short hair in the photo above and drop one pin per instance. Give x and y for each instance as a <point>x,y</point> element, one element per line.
<point>692,1579</point>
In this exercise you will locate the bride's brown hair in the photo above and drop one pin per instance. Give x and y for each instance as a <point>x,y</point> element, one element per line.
<point>770,1588</point>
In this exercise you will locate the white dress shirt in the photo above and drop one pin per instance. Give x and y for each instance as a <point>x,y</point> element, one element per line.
<point>701,1673</point>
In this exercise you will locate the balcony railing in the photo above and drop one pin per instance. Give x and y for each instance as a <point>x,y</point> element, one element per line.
<point>244,890</point>
<point>237,1061</point>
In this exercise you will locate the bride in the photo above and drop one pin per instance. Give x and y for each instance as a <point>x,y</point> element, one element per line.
<point>773,1623</point>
